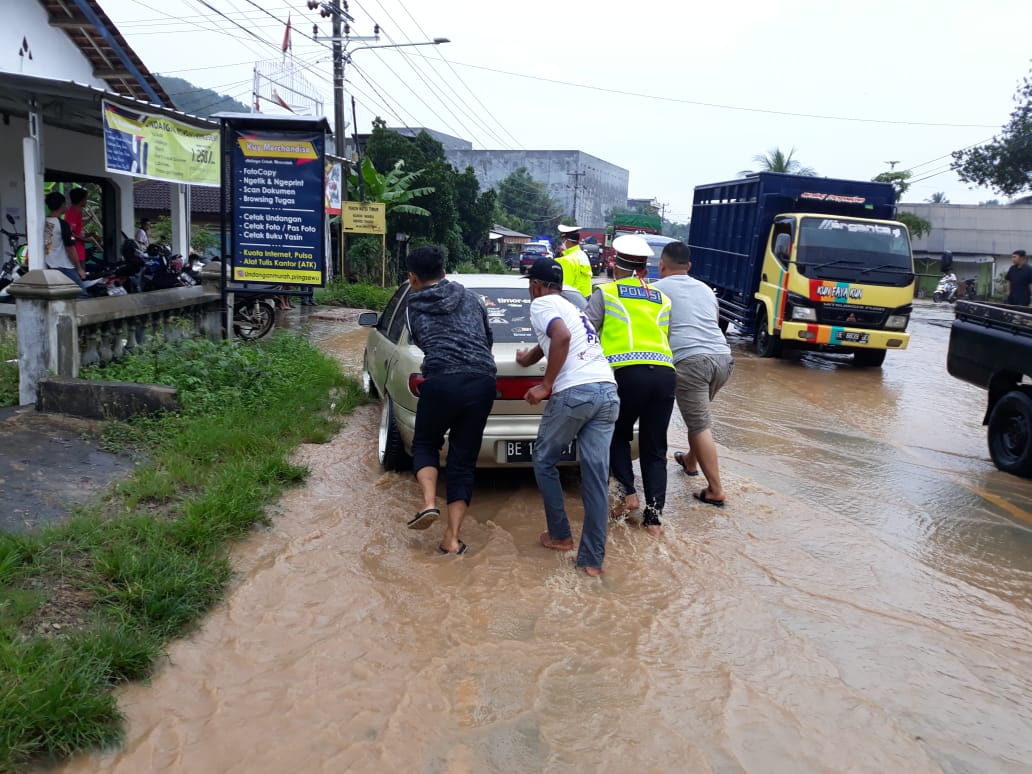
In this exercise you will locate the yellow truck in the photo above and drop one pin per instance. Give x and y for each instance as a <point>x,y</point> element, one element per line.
<point>806,263</point>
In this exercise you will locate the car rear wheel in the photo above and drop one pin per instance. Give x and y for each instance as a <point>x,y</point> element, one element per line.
<point>391,449</point>
<point>1010,433</point>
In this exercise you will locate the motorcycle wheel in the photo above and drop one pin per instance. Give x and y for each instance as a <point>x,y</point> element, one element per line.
<point>253,319</point>
<point>936,296</point>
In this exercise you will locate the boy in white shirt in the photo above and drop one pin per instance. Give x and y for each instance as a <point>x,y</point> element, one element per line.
<point>582,404</point>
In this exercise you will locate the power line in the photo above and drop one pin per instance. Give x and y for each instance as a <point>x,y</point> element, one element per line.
<point>455,72</point>
<point>720,106</point>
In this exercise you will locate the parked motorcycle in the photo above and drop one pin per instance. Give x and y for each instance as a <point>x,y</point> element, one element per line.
<point>970,289</point>
<point>254,314</point>
<point>946,290</point>
<point>16,263</point>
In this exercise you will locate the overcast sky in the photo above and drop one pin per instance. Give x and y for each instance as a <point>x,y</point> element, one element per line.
<point>677,93</point>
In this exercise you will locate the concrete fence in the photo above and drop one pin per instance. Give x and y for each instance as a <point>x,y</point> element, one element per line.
<point>58,334</point>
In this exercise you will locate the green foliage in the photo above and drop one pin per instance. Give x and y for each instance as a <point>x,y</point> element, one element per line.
<point>201,238</point>
<point>1005,162</point>
<point>776,160</point>
<point>355,295</point>
<point>8,369</point>
<point>152,557</point>
<point>899,180</point>
<point>394,189</point>
<point>937,198</point>
<point>916,225</point>
<point>197,100</point>
<point>527,204</point>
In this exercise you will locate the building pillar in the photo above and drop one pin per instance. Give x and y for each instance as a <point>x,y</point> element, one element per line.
<point>179,197</point>
<point>34,206</point>
<point>48,329</point>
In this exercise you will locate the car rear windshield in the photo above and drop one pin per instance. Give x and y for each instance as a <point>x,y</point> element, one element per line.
<point>508,310</point>
<point>533,248</point>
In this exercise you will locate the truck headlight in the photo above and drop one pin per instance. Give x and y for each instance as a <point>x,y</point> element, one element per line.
<point>897,322</point>
<point>804,313</point>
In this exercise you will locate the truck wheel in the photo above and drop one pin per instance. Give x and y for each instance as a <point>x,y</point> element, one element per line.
<point>767,344</point>
<point>1010,434</point>
<point>391,449</point>
<point>869,358</point>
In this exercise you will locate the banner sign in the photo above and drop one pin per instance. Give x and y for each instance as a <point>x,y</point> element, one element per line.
<point>333,183</point>
<point>152,146</point>
<point>278,191</point>
<point>364,217</point>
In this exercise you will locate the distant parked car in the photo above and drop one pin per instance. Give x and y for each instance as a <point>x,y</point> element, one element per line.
<point>391,372</point>
<point>530,253</point>
<point>594,253</point>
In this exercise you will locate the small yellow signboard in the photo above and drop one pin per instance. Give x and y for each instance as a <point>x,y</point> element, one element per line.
<point>363,217</point>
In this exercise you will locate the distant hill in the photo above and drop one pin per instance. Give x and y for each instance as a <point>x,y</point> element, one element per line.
<point>197,100</point>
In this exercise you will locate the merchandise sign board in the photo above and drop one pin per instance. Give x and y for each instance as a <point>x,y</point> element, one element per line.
<point>155,147</point>
<point>364,217</point>
<point>278,200</point>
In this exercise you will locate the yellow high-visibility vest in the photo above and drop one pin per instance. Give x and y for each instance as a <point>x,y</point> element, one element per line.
<point>636,326</point>
<point>576,269</point>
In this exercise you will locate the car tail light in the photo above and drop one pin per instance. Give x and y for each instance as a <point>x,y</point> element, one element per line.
<point>415,381</point>
<point>514,387</point>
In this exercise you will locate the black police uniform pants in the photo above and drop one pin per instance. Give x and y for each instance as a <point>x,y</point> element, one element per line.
<point>647,397</point>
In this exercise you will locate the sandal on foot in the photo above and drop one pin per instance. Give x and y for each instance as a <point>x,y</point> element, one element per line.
<point>702,497</point>
<point>679,458</point>
<point>463,548</point>
<point>424,519</point>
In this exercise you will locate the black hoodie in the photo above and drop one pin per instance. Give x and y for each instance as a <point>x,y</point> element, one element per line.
<point>449,323</point>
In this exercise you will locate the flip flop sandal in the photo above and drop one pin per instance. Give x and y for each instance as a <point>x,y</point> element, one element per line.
<point>463,548</point>
<point>702,498</point>
<point>679,459</point>
<point>424,519</point>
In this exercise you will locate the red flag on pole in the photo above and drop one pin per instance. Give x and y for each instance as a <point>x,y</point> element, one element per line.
<point>286,36</point>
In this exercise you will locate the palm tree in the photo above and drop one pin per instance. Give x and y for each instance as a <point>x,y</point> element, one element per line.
<point>937,198</point>
<point>776,160</point>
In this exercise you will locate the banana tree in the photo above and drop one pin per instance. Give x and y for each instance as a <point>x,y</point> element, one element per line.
<point>394,189</point>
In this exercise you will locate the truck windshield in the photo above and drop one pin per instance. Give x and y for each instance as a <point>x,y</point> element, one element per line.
<point>854,251</point>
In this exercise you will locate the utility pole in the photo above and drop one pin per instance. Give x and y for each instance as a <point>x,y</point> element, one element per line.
<point>337,11</point>
<point>576,186</point>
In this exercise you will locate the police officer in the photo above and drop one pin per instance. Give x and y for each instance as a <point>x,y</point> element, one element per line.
<point>575,262</point>
<point>632,319</point>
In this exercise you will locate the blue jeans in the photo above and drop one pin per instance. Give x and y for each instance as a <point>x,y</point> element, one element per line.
<point>588,413</point>
<point>73,275</point>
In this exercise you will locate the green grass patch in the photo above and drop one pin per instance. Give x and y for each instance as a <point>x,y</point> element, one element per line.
<point>354,295</point>
<point>91,603</point>
<point>8,369</point>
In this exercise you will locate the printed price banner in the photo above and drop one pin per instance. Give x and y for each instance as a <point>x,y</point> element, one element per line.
<point>364,217</point>
<point>278,189</point>
<point>158,148</point>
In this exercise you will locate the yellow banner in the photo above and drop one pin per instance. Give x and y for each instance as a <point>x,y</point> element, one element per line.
<point>364,217</point>
<point>277,149</point>
<point>155,147</point>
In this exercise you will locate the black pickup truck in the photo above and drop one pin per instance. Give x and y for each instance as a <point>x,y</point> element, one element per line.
<point>991,347</point>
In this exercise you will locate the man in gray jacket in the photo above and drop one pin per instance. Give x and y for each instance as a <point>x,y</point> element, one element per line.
<point>449,323</point>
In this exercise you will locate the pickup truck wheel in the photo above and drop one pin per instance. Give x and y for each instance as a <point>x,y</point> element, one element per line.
<point>391,449</point>
<point>868,358</point>
<point>767,344</point>
<point>1010,434</point>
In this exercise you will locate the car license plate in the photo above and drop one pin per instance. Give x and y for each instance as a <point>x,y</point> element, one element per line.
<point>523,451</point>
<point>853,337</point>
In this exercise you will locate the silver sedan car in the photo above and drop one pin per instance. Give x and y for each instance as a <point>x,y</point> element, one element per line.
<point>391,372</point>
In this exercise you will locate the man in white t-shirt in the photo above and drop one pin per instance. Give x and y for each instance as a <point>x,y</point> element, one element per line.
<point>702,360</point>
<point>582,404</point>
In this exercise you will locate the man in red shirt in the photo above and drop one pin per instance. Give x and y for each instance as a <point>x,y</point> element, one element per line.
<point>73,217</point>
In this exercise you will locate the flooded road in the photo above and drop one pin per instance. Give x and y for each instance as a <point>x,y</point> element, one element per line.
<point>863,603</point>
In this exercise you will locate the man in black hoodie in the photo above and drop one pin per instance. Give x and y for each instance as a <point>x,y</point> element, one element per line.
<point>449,323</point>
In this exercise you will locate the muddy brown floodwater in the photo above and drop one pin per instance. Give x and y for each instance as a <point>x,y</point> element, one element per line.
<point>863,603</point>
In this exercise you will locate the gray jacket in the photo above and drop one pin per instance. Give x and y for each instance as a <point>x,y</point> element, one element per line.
<point>449,323</point>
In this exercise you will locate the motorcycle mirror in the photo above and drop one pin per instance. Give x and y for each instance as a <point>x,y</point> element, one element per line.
<point>10,219</point>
